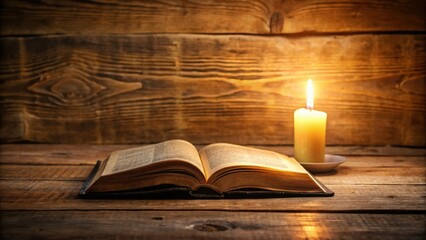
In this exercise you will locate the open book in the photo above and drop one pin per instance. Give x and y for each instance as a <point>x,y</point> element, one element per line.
<point>217,170</point>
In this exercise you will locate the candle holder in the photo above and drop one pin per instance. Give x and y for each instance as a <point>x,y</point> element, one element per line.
<point>331,162</point>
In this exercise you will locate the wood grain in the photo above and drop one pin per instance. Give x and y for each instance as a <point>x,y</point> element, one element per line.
<point>62,195</point>
<point>45,173</point>
<point>208,225</point>
<point>213,16</point>
<point>149,88</point>
<point>356,171</point>
<point>64,154</point>
<point>353,16</point>
<point>376,195</point>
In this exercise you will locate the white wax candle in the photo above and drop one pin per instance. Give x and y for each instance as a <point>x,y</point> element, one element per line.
<point>309,131</point>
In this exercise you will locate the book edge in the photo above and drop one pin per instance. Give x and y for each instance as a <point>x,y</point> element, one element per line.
<point>89,178</point>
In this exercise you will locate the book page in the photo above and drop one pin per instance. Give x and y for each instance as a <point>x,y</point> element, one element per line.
<point>220,155</point>
<point>138,157</point>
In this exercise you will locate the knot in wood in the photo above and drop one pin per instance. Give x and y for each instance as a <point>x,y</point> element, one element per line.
<point>212,226</point>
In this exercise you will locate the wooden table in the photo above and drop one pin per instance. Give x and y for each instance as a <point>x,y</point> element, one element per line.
<point>379,193</point>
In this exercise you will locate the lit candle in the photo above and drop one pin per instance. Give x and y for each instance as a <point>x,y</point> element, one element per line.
<point>309,131</point>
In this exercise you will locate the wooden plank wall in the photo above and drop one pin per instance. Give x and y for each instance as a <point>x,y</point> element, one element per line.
<point>211,71</point>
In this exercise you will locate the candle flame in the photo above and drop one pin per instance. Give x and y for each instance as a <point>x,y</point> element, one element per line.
<point>310,95</point>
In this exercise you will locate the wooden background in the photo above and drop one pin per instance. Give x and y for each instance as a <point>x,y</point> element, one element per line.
<point>211,71</point>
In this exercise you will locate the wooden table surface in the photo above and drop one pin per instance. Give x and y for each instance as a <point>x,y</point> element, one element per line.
<point>379,193</point>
